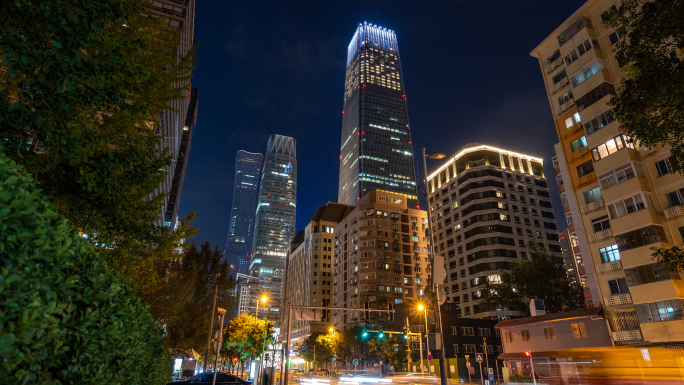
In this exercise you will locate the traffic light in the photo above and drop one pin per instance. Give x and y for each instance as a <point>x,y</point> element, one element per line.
<point>405,336</point>
<point>269,329</point>
<point>366,305</point>
<point>527,353</point>
<point>364,334</point>
<point>380,334</point>
<point>391,313</point>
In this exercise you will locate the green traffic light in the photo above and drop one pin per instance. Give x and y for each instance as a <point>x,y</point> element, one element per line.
<point>381,335</point>
<point>365,334</point>
<point>405,336</point>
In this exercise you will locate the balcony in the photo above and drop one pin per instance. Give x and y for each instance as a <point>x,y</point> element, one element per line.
<point>555,64</point>
<point>566,106</point>
<point>586,178</point>
<point>627,335</point>
<point>571,130</point>
<point>601,235</point>
<point>620,299</point>
<point>674,211</point>
<point>564,82</point>
<point>595,205</point>
<point>579,154</point>
<point>609,266</point>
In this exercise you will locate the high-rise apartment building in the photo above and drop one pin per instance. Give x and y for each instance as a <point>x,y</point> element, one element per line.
<point>181,166</point>
<point>309,264</point>
<point>489,206</point>
<point>179,14</point>
<point>274,226</point>
<point>376,151</point>
<point>240,229</point>
<point>622,199</point>
<point>381,257</point>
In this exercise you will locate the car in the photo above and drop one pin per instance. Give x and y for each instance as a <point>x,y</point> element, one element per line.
<point>208,378</point>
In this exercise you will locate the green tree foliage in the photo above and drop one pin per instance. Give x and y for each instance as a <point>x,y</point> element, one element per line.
<point>66,317</point>
<point>184,304</point>
<point>244,337</point>
<point>82,86</point>
<point>540,277</point>
<point>650,100</point>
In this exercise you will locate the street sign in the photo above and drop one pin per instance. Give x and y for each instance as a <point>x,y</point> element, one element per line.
<point>479,357</point>
<point>429,357</point>
<point>216,340</point>
<point>356,362</point>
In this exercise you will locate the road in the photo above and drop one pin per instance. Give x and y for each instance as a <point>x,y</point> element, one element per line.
<point>360,379</point>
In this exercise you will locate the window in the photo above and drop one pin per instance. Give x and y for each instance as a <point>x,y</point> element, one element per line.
<point>592,195</point>
<point>454,330</point>
<point>585,168</point>
<point>525,335</point>
<point>620,174</point>
<point>549,333</point>
<point>612,146</point>
<point>508,337</point>
<point>572,120</point>
<point>587,72</point>
<point>599,122</point>
<point>577,52</point>
<point>566,97</point>
<point>594,95</point>
<point>610,253</point>
<point>600,223</point>
<point>483,332</point>
<point>604,15</point>
<point>617,36</point>
<point>642,275</point>
<point>675,198</point>
<point>641,237</point>
<point>660,311</point>
<point>663,167</point>
<point>468,348</point>
<point>618,286</point>
<point>455,348</point>
<point>558,77</point>
<point>579,143</point>
<point>467,331</point>
<point>629,205</point>
<point>579,331</point>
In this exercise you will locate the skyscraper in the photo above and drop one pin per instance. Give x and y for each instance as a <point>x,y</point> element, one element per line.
<point>179,14</point>
<point>274,226</point>
<point>181,165</point>
<point>239,244</point>
<point>376,151</point>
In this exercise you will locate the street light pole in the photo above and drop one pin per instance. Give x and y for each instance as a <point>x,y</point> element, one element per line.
<point>211,329</point>
<point>438,312</point>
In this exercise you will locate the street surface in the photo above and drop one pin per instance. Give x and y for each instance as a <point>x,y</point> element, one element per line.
<point>360,379</point>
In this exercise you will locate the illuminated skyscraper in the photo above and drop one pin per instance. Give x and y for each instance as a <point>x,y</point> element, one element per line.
<point>376,151</point>
<point>240,231</point>
<point>274,226</point>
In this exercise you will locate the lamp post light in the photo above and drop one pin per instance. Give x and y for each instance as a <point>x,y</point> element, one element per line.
<point>264,299</point>
<point>435,291</point>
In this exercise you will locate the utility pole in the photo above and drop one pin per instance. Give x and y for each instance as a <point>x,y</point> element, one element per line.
<point>286,362</point>
<point>211,329</point>
<point>222,312</point>
<point>435,289</point>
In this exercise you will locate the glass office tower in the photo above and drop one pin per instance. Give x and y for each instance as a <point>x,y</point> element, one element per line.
<point>376,151</point>
<point>274,226</point>
<point>239,244</point>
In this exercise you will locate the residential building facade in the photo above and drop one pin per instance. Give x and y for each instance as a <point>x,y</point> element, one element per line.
<point>309,266</point>
<point>274,226</point>
<point>629,201</point>
<point>380,258</point>
<point>376,151</point>
<point>178,14</point>
<point>489,206</point>
<point>241,227</point>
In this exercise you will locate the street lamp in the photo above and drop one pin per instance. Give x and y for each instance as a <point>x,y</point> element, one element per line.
<point>438,312</point>
<point>264,298</point>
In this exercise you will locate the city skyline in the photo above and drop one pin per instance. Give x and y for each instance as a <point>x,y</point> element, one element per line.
<point>301,98</point>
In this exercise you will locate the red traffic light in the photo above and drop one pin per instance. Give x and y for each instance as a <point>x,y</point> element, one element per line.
<point>527,353</point>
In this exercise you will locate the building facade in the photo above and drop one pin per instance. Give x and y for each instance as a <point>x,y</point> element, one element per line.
<point>376,151</point>
<point>274,226</point>
<point>381,257</point>
<point>240,229</point>
<point>627,196</point>
<point>181,165</point>
<point>489,206</point>
<point>309,266</point>
<point>179,14</point>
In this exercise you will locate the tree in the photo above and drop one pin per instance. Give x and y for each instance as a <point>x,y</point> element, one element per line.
<point>83,84</point>
<point>244,337</point>
<point>541,277</point>
<point>184,304</point>
<point>66,318</point>
<point>650,100</point>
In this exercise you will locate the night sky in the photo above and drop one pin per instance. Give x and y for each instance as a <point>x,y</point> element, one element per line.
<point>278,68</point>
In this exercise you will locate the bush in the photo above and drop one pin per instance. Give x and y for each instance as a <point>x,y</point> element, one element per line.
<point>65,318</point>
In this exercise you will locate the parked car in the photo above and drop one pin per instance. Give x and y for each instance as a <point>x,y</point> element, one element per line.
<point>207,378</point>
